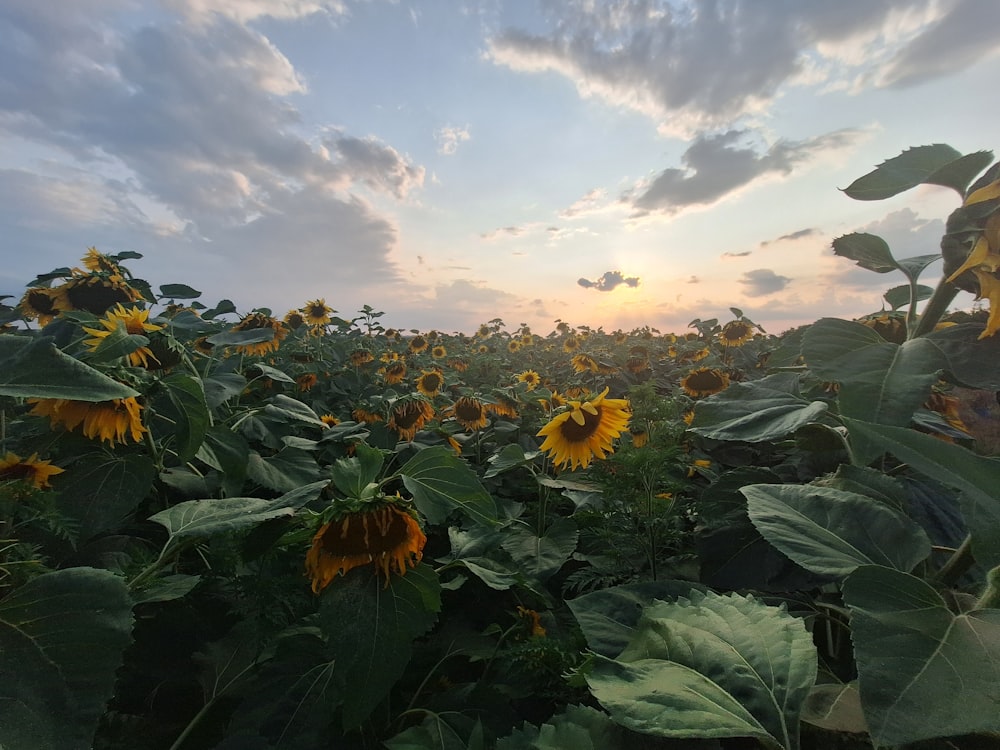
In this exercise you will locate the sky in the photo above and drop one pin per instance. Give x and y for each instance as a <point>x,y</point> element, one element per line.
<point>611,164</point>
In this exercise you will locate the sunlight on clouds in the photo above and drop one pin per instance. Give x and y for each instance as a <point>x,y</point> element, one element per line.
<point>243,11</point>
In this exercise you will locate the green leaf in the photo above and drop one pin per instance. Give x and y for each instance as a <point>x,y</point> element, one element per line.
<point>35,368</point>
<point>577,727</point>
<point>756,411</point>
<point>178,291</point>
<point>511,456</point>
<point>287,408</point>
<point>608,617</point>
<point>166,588</point>
<point>190,414</point>
<point>975,477</point>
<point>118,343</point>
<point>198,519</point>
<point>911,168</point>
<point>241,338</point>
<point>495,575</point>
<point>914,265</point>
<point>284,471</point>
<point>867,250</point>
<point>899,296</point>
<point>100,491</point>
<point>371,626</point>
<point>221,387</point>
<point>971,361</point>
<point>542,556</point>
<point>923,671</point>
<point>960,173</point>
<point>711,666</point>
<point>879,381</point>
<point>228,453</point>
<point>353,474</point>
<point>62,636</point>
<point>837,707</point>
<point>440,482</point>
<point>832,532</point>
<point>274,373</point>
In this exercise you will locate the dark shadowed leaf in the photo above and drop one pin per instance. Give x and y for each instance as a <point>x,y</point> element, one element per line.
<point>971,361</point>
<point>190,415</point>
<point>867,250</point>
<point>541,556</point>
<point>35,368</point>
<point>100,491</point>
<point>577,727</point>
<point>178,291</point>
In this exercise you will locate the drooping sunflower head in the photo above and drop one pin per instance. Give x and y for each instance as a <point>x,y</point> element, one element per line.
<point>890,326</point>
<point>530,378</point>
<point>361,357</point>
<point>363,414</point>
<point>386,536</point>
<point>470,412</point>
<point>736,333</point>
<point>98,262</point>
<point>395,373</point>
<point>554,401</point>
<point>43,304</point>
<point>620,337</point>
<point>430,382</point>
<point>306,381</point>
<point>294,320</point>
<point>409,415</point>
<point>37,473</point>
<point>112,422</point>
<point>418,344</point>
<point>586,431</point>
<point>98,292</point>
<point>259,321</point>
<point>458,365</point>
<point>316,313</point>
<point>636,365</point>
<point>571,344</point>
<point>704,381</point>
<point>503,406</point>
<point>584,363</point>
<point>136,322</point>
<point>439,352</point>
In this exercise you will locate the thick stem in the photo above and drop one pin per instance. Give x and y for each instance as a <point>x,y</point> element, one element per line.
<point>937,305</point>
<point>957,564</point>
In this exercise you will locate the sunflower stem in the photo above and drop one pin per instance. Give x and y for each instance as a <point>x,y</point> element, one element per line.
<point>936,307</point>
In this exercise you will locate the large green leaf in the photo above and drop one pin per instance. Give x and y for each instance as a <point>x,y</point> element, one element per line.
<point>353,474</point>
<point>831,532</point>
<point>899,296</point>
<point>62,636</point>
<point>837,707</point>
<point>100,490</point>
<point>541,556</point>
<point>711,666</point>
<point>975,477</point>
<point>914,167</point>
<point>867,250</point>
<point>222,386</point>
<point>756,411</point>
<point>440,482</point>
<point>923,671</point>
<point>969,360</point>
<point>608,617</point>
<point>284,471</point>
<point>576,728</point>
<point>879,381</point>
<point>178,291</point>
<point>118,343</point>
<point>35,368</point>
<point>287,408</point>
<point>229,454</point>
<point>370,627</point>
<point>189,415</point>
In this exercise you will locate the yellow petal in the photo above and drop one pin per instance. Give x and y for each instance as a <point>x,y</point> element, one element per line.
<point>578,417</point>
<point>976,258</point>
<point>987,193</point>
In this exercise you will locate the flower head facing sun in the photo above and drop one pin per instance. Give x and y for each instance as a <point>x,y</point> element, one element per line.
<point>135,322</point>
<point>387,537</point>
<point>430,382</point>
<point>705,381</point>
<point>530,378</point>
<point>575,437</point>
<point>571,344</point>
<point>37,473</point>
<point>418,344</point>
<point>112,422</point>
<point>736,333</point>
<point>439,352</point>
<point>470,412</point>
<point>408,416</point>
<point>395,373</point>
<point>316,313</point>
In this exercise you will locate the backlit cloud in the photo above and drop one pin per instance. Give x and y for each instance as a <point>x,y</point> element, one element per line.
<point>609,281</point>
<point>762,281</point>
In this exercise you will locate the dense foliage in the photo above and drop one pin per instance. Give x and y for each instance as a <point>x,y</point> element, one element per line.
<point>242,531</point>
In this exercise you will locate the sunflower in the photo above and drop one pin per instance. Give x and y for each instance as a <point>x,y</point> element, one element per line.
<point>294,320</point>
<point>577,436</point>
<point>361,357</point>
<point>98,292</point>
<point>639,438</point>
<point>533,620</point>
<point>98,262</point>
<point>392,334</point>
<point>890,326</point>
<point>483,349</point>
<point>484,331</point>
<point>136,322</point>
<point>459,365</point>
<point>43,304</point>
<point>530,378</point>
<point>736,333</point>
<point>554,401</point>
<point>418,344</point>
<point>513,346</point>
<point>695,355</point>
<point>408,416</point>
<point>527,339</point>
<point>704,382</point>
<point>316,313</point>
<point>438,352</point>
<point>571,344</point>
<point>306,381</point>
<point>395,373</point>
<point>111,421</point>
<point>386,536</point>
<point>430,382</point>
<point>260,321</point>
<point>36,473</point>
<point>202,345</point>
<point>470,412</point>
<point>584,363</point>
<point>329,420</point>
<point>503,407</point>
<point>636,365</point>
<point>562,326</point>
<point>361,414</point>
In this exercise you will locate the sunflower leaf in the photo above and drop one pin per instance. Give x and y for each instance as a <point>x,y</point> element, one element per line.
<point>189,413</point>
<point>867,250</point>
<point>118,343</point>
<point>35,368</point>
<point>178,291</point>
<point>440,483</point>
<point>542,556</point>
<point>100,491</point>
<point>911,168</point>
<point>899,296</point>
<point>578,727</point>
<point>62,636</point>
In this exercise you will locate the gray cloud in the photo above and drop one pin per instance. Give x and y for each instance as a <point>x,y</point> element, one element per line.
<point>762,281</point>
<point>376,165</point>
<point>609,281</point>
<point>743,254</point>
<point>800,234</point>
<point>716,165</point>
<point>703,65</point>
<point>511,231</point>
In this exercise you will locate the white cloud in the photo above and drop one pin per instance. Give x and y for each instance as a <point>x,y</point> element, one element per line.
<point>449,137</point>
<point>243,11</point>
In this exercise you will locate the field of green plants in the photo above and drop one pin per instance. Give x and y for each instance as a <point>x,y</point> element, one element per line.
<point>256,530</point>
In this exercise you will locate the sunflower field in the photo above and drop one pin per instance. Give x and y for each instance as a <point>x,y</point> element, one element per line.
<point>251,531</point>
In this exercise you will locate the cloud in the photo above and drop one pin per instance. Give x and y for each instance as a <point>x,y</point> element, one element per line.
<point>696,66</point>
<point>378,166</point>
<point>243,11</point>
<point>588,204</point>
<point>743,254</point>
<point>762,281</point>
<point>609,281</point>
<point>510,231</point>
<point>718,165</point>
<point>449,137</point>
<point>800,234</point>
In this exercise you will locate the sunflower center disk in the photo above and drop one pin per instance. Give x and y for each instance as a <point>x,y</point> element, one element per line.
<point>578,433</point>
<point>370,533</point>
